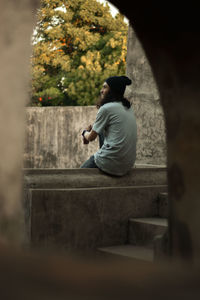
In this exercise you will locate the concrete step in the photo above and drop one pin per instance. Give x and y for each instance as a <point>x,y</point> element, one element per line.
<point>142,231</point>
<point>86,178</point>
<point>128,252</point>
<point>161,246</point>
<point>163,205</point>
<point>86,218</point>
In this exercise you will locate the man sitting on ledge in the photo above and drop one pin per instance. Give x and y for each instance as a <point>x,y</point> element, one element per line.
<point>116,127</point>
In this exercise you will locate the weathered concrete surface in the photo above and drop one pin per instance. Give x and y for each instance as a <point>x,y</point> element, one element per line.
<point>144,241</point>
<point>81,220</point>
<point>85,178</point>
<point>144,95</point>
<point>74,188</point>
<point>53,136</point>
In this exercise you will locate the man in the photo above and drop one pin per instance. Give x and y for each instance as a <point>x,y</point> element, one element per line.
<point>116,127</point>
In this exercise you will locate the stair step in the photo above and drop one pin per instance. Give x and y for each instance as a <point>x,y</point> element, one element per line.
<point>163,205</point>
<point>129,251</point>
<point>142,231</point>
<point>153,221</point>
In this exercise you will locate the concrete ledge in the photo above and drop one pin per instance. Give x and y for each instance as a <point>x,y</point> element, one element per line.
<point>80,178</point>
<point>83,219</point>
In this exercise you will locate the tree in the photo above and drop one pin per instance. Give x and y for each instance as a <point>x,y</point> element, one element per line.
<point>76,45</point>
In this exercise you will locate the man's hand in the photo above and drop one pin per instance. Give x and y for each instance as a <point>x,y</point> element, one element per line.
<point>89,128</point>
<point>85,142</point>
<point>89,135</point>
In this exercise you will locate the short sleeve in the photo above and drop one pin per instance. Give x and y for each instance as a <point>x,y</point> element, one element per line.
<point>102,120</point>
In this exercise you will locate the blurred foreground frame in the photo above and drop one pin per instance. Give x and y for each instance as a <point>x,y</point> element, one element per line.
<point>38,276</point>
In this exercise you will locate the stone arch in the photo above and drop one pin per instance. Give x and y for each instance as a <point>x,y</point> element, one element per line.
<point>171,41</point>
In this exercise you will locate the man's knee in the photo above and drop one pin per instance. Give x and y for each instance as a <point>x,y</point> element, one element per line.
<point>90,163</point>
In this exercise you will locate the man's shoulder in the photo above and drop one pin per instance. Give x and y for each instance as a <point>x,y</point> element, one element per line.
<point>107,107</point>
<point>114,103</point>
<point>111,105</point>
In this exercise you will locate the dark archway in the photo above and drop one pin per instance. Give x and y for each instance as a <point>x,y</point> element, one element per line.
<point>171,40</point>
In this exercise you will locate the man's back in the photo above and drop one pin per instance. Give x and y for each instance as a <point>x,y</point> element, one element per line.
<point>118,124</point>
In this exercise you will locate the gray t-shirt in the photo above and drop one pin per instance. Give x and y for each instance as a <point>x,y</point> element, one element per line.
<point>118,153</point>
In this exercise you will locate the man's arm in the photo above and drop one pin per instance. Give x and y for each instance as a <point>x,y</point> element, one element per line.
<point>90,136</point>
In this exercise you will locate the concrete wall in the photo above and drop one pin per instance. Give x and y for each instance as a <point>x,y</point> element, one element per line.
<point>144,95</point>
<point>53,138</point>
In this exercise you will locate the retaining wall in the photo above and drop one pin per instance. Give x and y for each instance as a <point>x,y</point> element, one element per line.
<point>53,138</point>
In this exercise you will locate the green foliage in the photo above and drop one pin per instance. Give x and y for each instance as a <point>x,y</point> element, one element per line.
<point>77,44</point>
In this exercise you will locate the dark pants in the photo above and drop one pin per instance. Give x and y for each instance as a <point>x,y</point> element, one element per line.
<point>90,163</point>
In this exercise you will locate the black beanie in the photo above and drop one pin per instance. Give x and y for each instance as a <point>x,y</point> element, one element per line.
<point>118,84</point>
